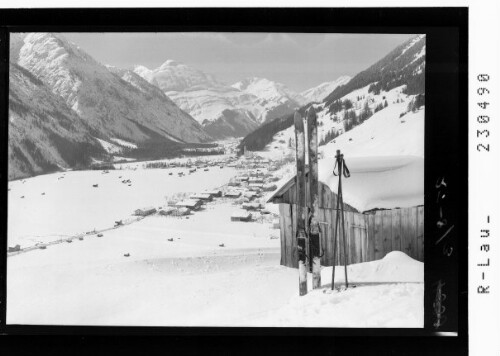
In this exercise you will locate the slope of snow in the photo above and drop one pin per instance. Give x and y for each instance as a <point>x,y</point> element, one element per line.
<point>399,302</point>
<point>109,147</point>
<point>384,134</point>
<point>412,43</point>
<point>123,142</point>
<point>384,153</point>
<point>191,281</point>
<point>318,93</point>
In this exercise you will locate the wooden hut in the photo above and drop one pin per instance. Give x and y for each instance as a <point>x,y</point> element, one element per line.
<point>383,204</point>
<point>214,193</point>
<point>250,195</point>
<point>145,211</point>
<point>202,196</point>
<point>255,187</point>
<point>241,216</point>
<point>167,210</point>
<point>232,194</point>
<point>182,211</point>
<point>256,180</point>
<point>192,204</point>
<point>252,206</point>
<point>14,249</point>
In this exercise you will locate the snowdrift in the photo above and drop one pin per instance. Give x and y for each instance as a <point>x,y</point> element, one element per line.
<point>395,267</point>
<point>396,302</point>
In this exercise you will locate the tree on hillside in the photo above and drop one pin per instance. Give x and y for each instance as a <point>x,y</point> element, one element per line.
<point>379,107</point>
<point>330,135</point>
<point>365,113</point>
<point>335,107</point>
<point>416,103</point>
<point>347,104</point>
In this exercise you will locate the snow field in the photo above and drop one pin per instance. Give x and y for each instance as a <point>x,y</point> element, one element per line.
<point>72,205</point>
<point>398,302</point>
<point>190,280</point>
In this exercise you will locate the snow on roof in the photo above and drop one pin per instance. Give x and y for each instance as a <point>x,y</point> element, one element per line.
<point>383,182</point>
<point>201,196</point>
<point>188,202</point>
<point>214,191</point>
<point>148,208</point>
<point>241,214</point>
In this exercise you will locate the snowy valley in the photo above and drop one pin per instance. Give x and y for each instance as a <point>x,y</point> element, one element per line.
<point>193,240</point>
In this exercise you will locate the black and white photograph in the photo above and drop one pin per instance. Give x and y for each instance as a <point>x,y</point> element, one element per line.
<point>222,179</point>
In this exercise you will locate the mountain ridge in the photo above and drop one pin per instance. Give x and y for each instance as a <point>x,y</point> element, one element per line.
<point>223,110</point>
<point>102,103</point>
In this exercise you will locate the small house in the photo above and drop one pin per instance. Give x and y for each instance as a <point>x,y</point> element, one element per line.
<point>251,206</point>
<point>183,211</point>
<point>233,194</point>
<point>250,195</point>
<point>14,249</point>
<point>241,216</point>
<point>214,193</point>
<point>192,204</point>
<point>201,196</point>
<point>383,204</point>
<point>145,211</point>
<point>254,187</point>
<point>269,187</point>
<point>256,180</point>
<point>167,211</point>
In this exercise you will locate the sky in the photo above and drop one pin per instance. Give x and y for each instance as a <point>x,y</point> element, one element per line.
<point>298,60</point>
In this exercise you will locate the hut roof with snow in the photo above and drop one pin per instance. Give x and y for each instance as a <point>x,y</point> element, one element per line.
<point>241,216</point>
<point>145,211</point>
<point>201,196</point>
<point>381,182</point>
<point>189,203</point>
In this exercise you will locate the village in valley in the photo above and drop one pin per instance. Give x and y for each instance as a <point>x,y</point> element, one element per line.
<point>194,221</point>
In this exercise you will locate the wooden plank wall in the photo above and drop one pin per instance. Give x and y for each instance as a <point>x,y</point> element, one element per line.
<point>368,236</point>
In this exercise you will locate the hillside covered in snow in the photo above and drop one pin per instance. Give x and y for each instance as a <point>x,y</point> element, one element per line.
<point>320,92</point>
<point>378,112</point>
<point>44,134</point>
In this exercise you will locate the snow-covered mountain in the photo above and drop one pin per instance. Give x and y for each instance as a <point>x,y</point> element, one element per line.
<point>318,93</point>
<point>111,104</point>
<point>175,76</point>
<point>44,133</point>
<point>223,110</point>
<point>66,109</point>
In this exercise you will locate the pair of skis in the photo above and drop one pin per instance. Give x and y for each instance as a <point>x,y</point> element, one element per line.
<point>308,242</point>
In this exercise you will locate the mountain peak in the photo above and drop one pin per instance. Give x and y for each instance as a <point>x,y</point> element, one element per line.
<point>319,92</point>
<point>176,76</point>
<point>169,63</point>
